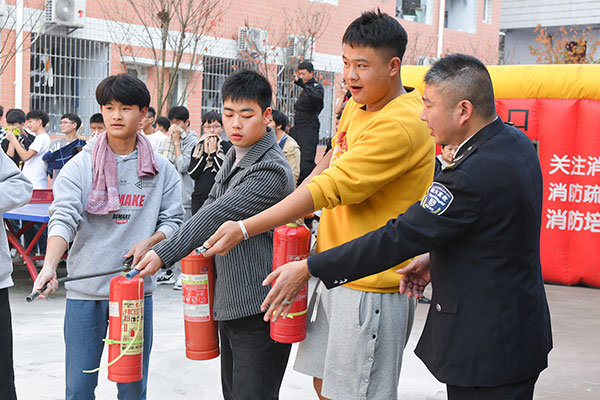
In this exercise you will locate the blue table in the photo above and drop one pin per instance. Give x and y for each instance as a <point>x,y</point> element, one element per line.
<point>32,213</point>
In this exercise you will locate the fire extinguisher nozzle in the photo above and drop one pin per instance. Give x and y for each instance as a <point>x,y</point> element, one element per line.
<point>132,273</point>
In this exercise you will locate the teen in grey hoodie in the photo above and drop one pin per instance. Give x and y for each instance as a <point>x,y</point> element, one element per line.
<point>149,210</point>
<point>15,191</point>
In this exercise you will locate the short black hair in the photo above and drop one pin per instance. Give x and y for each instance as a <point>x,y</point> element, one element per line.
<point>164,122</point>
<point>179,112</point>
<point>281,120</point>
<point>212,116</point>
<point>307,65</point>
<point>38,114</point>
<point>15,115</point>
<point>1,111</point>
<point>124,88</point>
<point>247,85</point>
<point>151,112</point>
<point>379,31</point>
<point>462,77</point>
<point>97,118</point>
<point>73,118</point>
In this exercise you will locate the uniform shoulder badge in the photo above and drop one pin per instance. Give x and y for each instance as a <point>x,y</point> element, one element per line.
<point>438,199</point>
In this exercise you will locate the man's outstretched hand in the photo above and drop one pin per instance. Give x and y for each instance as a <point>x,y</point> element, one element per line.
<point>289,280</point>
<point>416,277</point>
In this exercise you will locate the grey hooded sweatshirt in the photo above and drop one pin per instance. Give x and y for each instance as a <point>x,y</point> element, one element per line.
<point>148,205</point>
<point>15,191</point>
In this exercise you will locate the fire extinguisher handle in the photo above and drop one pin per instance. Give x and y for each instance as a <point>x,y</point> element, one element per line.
<point>36,293</point>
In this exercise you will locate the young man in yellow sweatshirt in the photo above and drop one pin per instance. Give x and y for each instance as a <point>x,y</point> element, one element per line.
<point>381,162</point>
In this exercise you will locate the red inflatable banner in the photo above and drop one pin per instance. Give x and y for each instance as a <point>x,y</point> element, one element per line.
<point>566,134</point>
<point>558,108</point>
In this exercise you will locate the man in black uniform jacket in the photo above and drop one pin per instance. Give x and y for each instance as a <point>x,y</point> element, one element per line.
<point>487,334</point>
<point>306,117</point>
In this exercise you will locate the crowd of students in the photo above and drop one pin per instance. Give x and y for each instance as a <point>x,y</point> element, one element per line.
<point>381,165</point>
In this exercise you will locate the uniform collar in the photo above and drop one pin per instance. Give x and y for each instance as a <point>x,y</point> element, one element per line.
<point>469,146</point>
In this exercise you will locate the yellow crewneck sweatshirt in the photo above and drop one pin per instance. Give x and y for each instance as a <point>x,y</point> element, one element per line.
<point>382,163</point>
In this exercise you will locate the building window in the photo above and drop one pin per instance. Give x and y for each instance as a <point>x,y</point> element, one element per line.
<point>288,91</point>
<point>414,10</point>
<point>461,15</point>
<point>64,74</point>
<point>487,11</point>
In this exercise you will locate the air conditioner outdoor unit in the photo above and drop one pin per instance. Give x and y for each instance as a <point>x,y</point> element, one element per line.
<point>299,46</point>
<point>424,60</point>
<point>252,39</point>
<point>66,12</point>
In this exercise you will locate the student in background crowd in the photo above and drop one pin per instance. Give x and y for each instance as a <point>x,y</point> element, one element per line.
<point>162,125</point>
<point>34,167</point>
<point>207,158</point>
<point>291,149</point>
<point>15,124</point>
<point>64,148</point>
<point>157,138</point>
<point>97,124</point>
<point>445,157</point>
<point>178,150</point>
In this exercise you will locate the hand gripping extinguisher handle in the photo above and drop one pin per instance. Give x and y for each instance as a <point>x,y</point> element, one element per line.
<point>36,293</point>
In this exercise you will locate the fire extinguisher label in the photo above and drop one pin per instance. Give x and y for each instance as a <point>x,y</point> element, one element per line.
<point>196,306</point>
<point>113,309</point>
<point>132,326</point>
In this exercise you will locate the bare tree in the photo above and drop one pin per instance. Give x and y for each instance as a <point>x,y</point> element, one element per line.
<point>172,34</point>
<point>303,26</point>
<point>10,28</point>
<point>419,45</point>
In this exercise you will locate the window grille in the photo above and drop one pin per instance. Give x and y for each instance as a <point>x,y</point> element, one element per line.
<point>216,70</point>
<point>288,91</point>
<point>64,74</point>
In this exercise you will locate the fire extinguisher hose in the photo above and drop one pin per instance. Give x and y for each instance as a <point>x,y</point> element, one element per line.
<point>135,340</point>
<point>296,314</point>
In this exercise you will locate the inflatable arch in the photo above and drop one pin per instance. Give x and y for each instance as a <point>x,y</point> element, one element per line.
<point>558,108</point>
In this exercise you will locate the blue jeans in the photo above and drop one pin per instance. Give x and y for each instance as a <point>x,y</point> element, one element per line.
<point>86,322</point>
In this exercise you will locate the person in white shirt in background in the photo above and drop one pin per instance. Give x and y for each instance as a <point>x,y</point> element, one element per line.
<point>34,168</point>
<point>157,138</point>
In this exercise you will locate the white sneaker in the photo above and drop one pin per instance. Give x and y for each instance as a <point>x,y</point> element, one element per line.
<point>165,277</point>
<point>177,285</point>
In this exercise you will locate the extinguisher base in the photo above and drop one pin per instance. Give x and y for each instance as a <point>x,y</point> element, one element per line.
<point>287,338</point>
<point>124,378</point>
<point>202,355</point>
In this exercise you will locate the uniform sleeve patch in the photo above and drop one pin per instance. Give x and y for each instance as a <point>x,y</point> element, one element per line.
<point>438,199</point>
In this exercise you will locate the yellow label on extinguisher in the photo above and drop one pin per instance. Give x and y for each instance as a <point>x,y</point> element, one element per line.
<point>132,326</point>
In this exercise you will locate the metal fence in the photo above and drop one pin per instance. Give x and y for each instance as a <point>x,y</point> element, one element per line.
<point>64,74</point>
<point>288,91</point>
<point>217,69</point>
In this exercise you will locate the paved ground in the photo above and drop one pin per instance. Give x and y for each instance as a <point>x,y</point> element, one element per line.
<point>574,371</point>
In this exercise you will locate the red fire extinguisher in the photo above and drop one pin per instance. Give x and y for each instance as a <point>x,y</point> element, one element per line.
<point>291,242</point>
<point>198,284</point>
<point>126,329</point>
